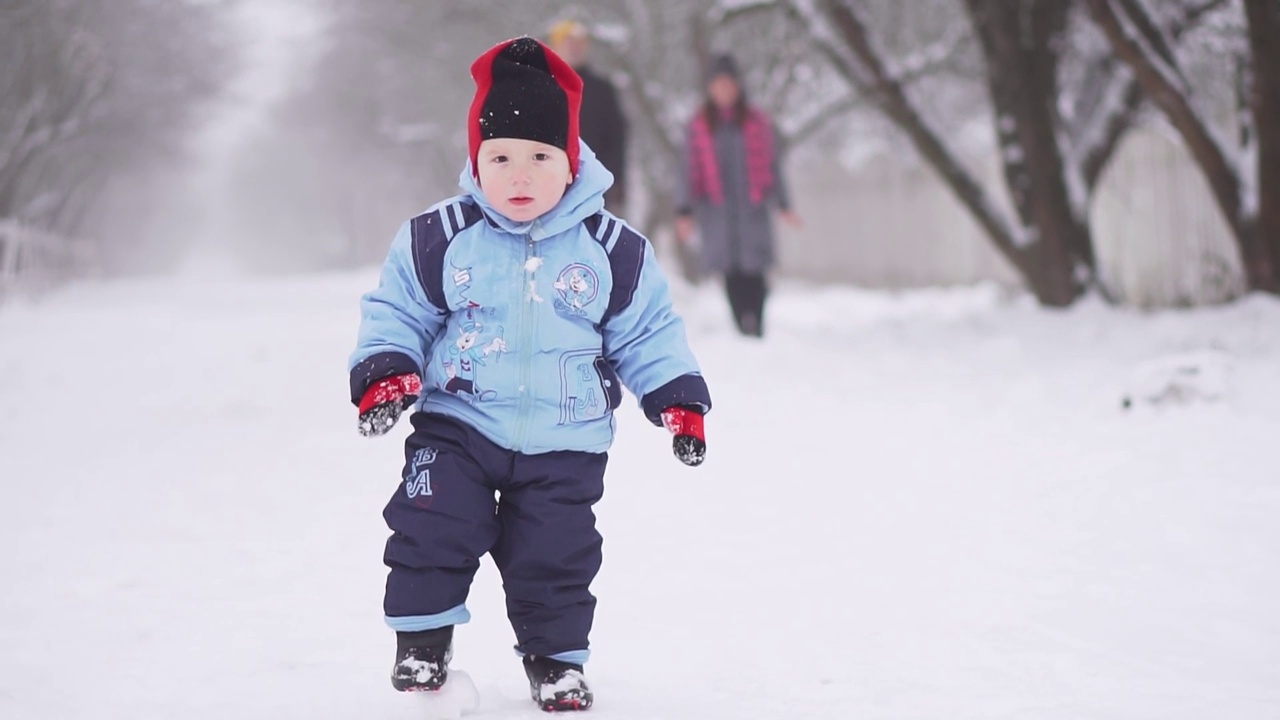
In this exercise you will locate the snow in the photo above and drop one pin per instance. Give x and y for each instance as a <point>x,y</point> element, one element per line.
<point>571,680</point>
<point>914,505</point>
<point>1248,169</point>
<point>1181,377</point>
<point>933,55</point>
<point>1012,153</point>
<point>457,698</point>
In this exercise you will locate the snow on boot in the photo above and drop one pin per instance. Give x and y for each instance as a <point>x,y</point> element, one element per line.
<point>557,686</point>
<point>422,659</point>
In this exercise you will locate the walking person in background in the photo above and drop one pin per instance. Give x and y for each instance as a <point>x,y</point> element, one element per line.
<point>731,186</point>
<point>603,126</point>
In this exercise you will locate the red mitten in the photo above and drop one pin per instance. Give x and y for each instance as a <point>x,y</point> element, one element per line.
<point>689,443</point>
<point>383,402</point>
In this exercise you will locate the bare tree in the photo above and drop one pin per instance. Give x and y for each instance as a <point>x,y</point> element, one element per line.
<point>1244,176</point>
<point>90,87</point>
<point>1059,107</point>
<point>52,81</point>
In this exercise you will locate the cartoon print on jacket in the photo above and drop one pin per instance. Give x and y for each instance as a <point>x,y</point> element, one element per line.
<point>577,285</point>
<point>465,353</point>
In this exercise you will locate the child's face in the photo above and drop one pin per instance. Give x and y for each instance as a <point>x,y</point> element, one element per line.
<point>522,179</point>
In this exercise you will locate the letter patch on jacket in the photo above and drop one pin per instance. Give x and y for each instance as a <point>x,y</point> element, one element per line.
<point>589,387</point>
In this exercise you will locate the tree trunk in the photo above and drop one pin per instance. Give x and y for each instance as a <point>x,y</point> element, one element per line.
<point>1021,41</point>
<point>1264,29</point>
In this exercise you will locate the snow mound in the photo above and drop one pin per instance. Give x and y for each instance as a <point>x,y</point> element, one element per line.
<point>1180,379</point>
<point>458,697</point>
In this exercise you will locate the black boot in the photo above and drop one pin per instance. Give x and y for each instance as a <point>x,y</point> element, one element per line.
<point>422,659</point>
<point>557,686</point>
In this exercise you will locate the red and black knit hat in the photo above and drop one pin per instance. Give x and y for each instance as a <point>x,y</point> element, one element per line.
<point>525,91</point>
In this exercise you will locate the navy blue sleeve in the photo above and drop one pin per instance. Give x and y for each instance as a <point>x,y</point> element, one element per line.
<point>644,338</point>
<point>377,367</point>
<point>685,391</point>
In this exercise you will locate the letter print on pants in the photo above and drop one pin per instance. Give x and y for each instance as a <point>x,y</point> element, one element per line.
<point>441,518</point>
<point>541,532</point>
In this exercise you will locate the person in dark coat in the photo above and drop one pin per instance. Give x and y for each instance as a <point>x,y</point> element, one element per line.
<point>602,123</point>
<point>732,185</point>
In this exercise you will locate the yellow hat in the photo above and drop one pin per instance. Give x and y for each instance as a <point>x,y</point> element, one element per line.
<point>564,30</point>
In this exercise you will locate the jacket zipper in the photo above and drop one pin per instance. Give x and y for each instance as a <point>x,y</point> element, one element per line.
<point>528,316</point>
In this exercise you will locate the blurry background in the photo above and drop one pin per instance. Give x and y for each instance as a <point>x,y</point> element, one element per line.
<point>1127,147</point>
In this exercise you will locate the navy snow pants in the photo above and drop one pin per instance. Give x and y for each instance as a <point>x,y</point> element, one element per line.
<point>540,530</point>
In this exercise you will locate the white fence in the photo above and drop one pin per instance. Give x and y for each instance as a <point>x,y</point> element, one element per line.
<point>32,260</point>
<point>1159,237</point>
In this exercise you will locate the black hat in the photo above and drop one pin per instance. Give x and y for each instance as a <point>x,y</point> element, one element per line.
<point>524,90</point>
<point>723,64</point>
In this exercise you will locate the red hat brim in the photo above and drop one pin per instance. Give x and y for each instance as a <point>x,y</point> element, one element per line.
<point>561,72</point>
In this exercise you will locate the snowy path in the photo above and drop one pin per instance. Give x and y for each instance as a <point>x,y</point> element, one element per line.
<point>926,506</point>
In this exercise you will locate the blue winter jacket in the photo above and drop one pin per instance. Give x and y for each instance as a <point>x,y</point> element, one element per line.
<point>524,330</point>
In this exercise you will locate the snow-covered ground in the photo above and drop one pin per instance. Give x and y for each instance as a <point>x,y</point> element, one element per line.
<point>926,505</point>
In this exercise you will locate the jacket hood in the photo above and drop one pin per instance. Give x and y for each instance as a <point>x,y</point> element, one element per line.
<point>583,198</point>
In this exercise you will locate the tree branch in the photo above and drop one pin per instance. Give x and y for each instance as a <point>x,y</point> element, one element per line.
<point>867,70</point>
<point>819,119</point>
<point>1096,135</point>
<point>1163,80</point>
<point>1264,192</point>
<point>648,105</point>
<point>723,13</point>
